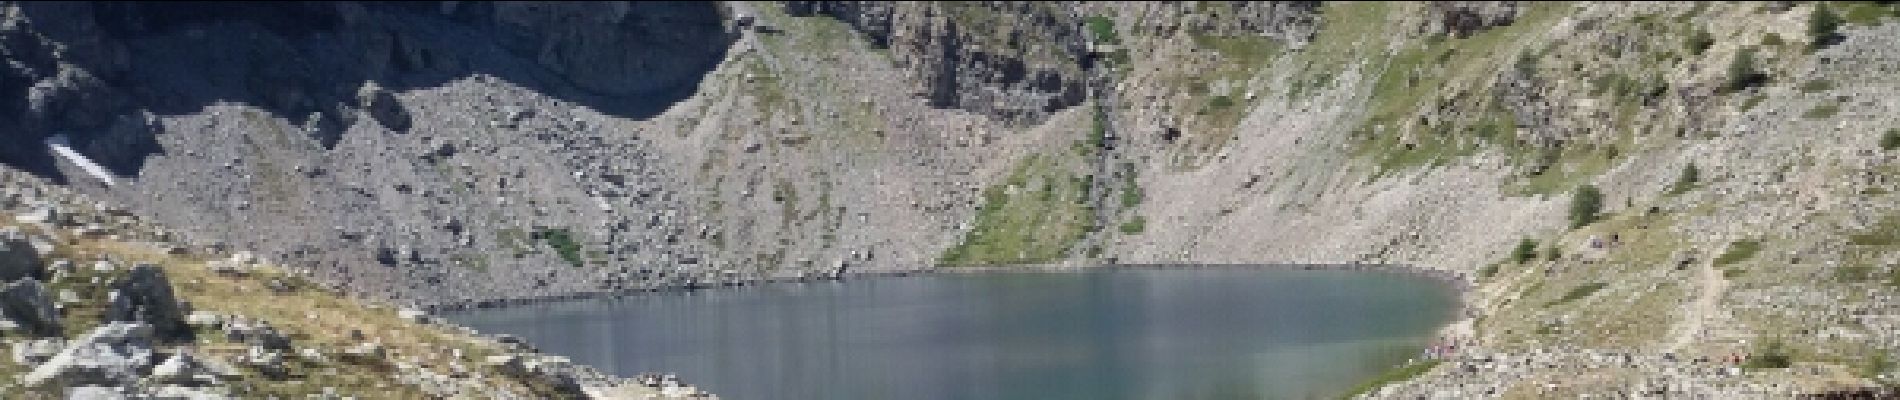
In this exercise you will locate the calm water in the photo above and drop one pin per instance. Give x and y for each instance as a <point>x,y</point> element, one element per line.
<point>1124,334</point>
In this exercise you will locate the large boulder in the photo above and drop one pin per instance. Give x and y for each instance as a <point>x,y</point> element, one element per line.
<point>184,368</point>
<point>26,303</point>
<point>36,351</point>
<point>145,295</point>
<point>381,105</point>
<point>113,354</point>
<point>18,258</point>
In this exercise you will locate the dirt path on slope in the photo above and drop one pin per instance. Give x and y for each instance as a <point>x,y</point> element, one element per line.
<point>1708,298</point>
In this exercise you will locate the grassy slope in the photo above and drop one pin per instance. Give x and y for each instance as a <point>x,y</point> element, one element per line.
<point>1034,216</point>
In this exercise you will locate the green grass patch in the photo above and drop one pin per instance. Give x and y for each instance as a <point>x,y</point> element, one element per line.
<point>1823,111</point>
<point>1033,216</point>
<point>1733,273</point>
<point>1738,252</point>
<point>1220,102</point>
<point>1586,205</point>
<point>1743,72</point>
<point>1854,272</point>
<point>1135,226</point>
<point>1752,101</point>
<point>1577,293</point>
<point>1131,190</point>
<point>1217,90</point>
<point>1687,180</point>
<point>1771,39</point>
<point>1865,12</point>
<point>1098,130</point>
<point>1817,86</point>
<point>564,245</point>
<point>1698,42</point>
<point>1772,355</point>
<point>1103,29</point>
<point>1395,375</point>
<point>1890,140</point>
<point>1525,251</point>
<point>1488,271</point>
<point>1250,50</point>
<point>514,240</point>
<point>1886,233</point>
<point>1562,169</point>
<point>1421,75</point>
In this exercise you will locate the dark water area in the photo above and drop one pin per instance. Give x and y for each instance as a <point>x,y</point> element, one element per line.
<point>1212,333</point>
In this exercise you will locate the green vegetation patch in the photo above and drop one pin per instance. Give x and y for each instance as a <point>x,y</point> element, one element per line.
<point>563,243</point>
<point>1890,140</point>
<point>1817,86</point>
<point>1525,252</point>
<point>1886,233</point>
<point>1687,180</point>
<point>1131,190</point>
<point>1738,252</point>
<point>1823,27</point>
<point>1743,73</point>
<point>1585,206</point>
<point>1554,170</point>
<point>1866,12</point>
<point>1488,271</point>
<point>1103,29</point>
<point>1578,293</point>
<point>1698,42</point>
<point>1752,101</point>
<point>1033,216</point>
<point>1135,225</point>
<point>1823,111</point>
<point>1772,355</point>
<point>1217,90</point>
<point>1421,74</point>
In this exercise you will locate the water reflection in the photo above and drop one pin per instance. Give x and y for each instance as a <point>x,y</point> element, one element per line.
<point>1141,334</point>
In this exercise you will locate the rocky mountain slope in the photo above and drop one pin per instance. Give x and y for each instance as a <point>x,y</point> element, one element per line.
<point>1642,188</point>
<point>98,303</point>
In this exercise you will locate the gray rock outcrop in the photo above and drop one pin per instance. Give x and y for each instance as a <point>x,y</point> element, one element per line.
<point>18,258</point>
<point>114,354</point>
<point>383,107</point>
<point>26,303</point>
<point>1463,18</point>
<point>145,295</point>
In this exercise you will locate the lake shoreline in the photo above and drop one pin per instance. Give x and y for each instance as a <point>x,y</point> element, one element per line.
<point>1460,283</point>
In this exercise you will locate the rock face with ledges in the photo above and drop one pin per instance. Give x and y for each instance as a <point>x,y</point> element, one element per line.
<point>1014,60</point>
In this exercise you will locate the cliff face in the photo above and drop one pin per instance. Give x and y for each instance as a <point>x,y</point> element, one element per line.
<point>1018,61</point>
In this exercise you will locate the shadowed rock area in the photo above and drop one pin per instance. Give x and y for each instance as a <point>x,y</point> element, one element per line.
<point>102,72</point>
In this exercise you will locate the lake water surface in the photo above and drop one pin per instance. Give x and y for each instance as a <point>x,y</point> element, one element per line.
<point>1200,333</point>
